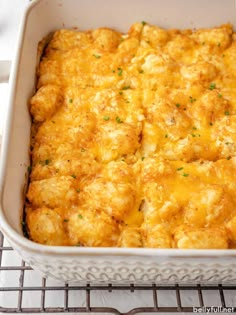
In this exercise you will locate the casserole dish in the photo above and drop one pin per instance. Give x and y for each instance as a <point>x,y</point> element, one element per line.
<point>96,264</point>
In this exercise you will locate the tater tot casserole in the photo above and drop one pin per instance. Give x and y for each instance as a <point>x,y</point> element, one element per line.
<point>134,139</point>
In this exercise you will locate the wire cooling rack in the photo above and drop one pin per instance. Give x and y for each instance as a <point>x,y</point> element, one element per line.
<point>23,290</point>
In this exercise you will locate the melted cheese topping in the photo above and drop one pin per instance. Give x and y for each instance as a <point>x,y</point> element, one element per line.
<point>134,139</point>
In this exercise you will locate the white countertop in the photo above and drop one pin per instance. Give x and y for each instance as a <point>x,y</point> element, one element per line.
<point>10,15</point>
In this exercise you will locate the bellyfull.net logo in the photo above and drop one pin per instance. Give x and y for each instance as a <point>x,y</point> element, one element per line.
<point>214,309</point>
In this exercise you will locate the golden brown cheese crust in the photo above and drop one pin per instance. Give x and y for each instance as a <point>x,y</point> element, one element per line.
<point>134,139</point>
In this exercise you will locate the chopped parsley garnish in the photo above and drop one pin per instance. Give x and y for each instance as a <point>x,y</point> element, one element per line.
<point>53,122</point>
<point>185,174</point>
<point>219,44</point>
<point>228,158</point>
<point>47,161</point>
<point>142,158</point>
<point>121,93</point>
<point>70,100</point>
<point>191,99</point>
<point>113,71</point>
<point>120,71</point>
<point>127,87</point>
<point>106,118</point>
<point>194,128</point>
<point>96,56</point>
<point>227,112</point>
<point>78,244</point>
<point>220,95</point>
<point>80,216</point>
<point>141,71</point>
<point>29,168</point>
<point>78,190</point>
<point>180,169</point>
<point>203,43</point>
<point>177,105</point>
<point>66,220</point>
<point>193,135</point>
<point>212,86</point>
<point>211,124</point>
<point>82,150</point>
<point>166,135</point>
<point>144,23</point>
<point>119,120</point>
<point>73,175</point>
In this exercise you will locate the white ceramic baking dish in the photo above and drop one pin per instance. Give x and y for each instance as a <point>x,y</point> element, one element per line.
<point>115,265</point>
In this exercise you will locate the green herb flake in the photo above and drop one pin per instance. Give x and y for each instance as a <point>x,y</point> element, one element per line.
<point>144,23</point>
<point>180,169</point>
<point>29,168</point>
<point>78,190</point>
<point>212,86</point>
<point>177,105</point>
<point>203,43</point>
<point>96,56</point>
<point>80,216</point>
<point>53,122</point>
<point>82,150</point>
<point>119,120</point>
<point>227,113</point>
<point>185,174</point>
<point>66,220</point>
<point>141,71</point>
<point>194,128</point>
<point>228,158</point>
<point>73,175</point>
<point>127,87</point>
<point>142,158</point>
<point>78,244</point>
<point>219,44</point>
<point>211,124</point>
<point>113,71</point>
<point>47,161</point>
<point>23,223</point>
<point>220,95</point>
<point>70,100</point>
<point>106,118</point>
<point>192,99</point>
<point>193,135</point>
<point>166,135</point>
<point>120,71</point>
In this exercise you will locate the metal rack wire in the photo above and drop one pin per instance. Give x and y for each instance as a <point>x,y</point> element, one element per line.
<point>67,293</point>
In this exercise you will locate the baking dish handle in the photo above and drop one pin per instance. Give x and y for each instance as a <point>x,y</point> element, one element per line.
<point>5,66</point>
